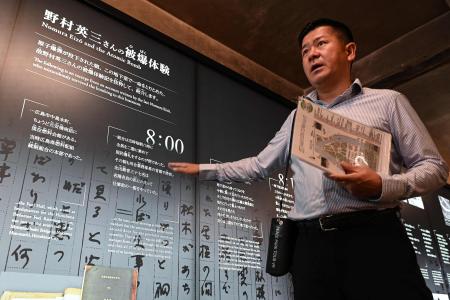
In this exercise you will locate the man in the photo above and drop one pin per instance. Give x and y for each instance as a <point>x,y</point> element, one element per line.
<point>351,243</point>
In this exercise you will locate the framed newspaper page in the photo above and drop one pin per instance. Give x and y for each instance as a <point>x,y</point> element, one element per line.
<point>324,139</point>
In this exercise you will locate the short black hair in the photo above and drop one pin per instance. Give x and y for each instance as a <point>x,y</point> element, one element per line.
<point>341,28</point>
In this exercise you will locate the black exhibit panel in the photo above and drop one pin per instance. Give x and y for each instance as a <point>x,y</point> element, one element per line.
<point>93,106</point>
<point>91,112</point>
<point>233,123</point>
<point>426,220</point>
<point>420,233</point>
<point>437,206</point>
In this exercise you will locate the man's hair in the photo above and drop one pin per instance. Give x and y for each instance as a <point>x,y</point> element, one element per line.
<point>344,32</point>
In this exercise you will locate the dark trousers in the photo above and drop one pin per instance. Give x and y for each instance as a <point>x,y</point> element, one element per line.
<point>373,261</point>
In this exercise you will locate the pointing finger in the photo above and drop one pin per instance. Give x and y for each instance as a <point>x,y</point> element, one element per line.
<point>176,166</point>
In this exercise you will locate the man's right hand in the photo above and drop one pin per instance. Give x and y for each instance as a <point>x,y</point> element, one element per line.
<point>184,168</point>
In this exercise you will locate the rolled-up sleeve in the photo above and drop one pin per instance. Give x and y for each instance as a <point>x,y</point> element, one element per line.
<point>274,156</point>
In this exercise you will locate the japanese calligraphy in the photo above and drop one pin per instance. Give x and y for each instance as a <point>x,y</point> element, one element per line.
<point>92,237</point>
<point>37,177</point>
<point>167,187</point>
<point>90,260</point>
<point>162,289</point>
<point>204,251</point>
<point>185,270</point>
<point>186,228</point>
<point>161,264</point>
<point>59,252</point>
<point>61,229</point>
<point>41,160</point>
<point>186,210</point>
<point>100,190</point>
<point>137,239</point>
<point>187,248</point>
<point>139,262</point>
<point>103,170</point>
<point>75,187</point>
<point>6,147</point>
<point>96,211</point>
<point>204,232</point>
<point>3,174</point>
<point>186,288</point>
<point>34,196</point>
<point>22,254</point>
<point>260,293</point>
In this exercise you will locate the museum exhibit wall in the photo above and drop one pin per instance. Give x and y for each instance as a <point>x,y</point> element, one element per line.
<point>93,106</point>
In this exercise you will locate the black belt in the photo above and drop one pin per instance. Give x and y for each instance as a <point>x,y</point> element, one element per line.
<point>348,220</point>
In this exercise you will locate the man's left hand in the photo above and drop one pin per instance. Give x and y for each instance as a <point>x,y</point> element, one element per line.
<point>360,181</point>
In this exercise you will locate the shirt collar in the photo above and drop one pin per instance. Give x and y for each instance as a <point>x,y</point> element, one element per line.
<point>354,89</point>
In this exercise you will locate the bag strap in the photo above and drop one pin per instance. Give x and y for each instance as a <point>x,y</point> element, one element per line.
<point>287,163</point>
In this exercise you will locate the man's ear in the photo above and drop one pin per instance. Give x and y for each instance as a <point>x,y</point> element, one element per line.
<point>350,49</point>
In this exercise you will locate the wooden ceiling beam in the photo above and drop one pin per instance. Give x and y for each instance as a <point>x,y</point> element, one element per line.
<point>169,25</point>
<point>412,54</point>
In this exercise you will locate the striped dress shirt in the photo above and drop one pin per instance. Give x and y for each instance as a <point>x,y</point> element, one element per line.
<point>416,166</point>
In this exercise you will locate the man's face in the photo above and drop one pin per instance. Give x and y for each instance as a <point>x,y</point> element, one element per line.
<point>326,58</point>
